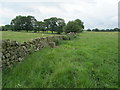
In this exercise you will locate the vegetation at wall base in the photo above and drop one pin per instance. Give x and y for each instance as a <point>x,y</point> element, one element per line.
<point>13,51</point>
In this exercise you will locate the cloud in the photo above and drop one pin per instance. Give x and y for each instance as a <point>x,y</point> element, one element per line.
<point>94,13</point>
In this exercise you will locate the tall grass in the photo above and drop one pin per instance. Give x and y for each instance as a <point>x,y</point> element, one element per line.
<point>89,61</point>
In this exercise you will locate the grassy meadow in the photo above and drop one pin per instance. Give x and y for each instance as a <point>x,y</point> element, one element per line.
<point>88,61</point>
<point>23,36</point>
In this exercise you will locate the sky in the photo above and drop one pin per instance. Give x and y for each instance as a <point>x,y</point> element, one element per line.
<point>100,14</point>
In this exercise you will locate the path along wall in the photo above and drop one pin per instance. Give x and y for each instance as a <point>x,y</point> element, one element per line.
<point>13,51</point>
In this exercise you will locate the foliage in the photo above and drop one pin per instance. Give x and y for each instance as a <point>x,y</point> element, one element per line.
<point>5,28</point>
<point>39,26</point>
<point>29,23</point>
<point>104,30</point>
<point>55,24</point>
<point>74,26</point>
<point>57,41</point>
<point>23,23</point>
<point>96,29</point>
<point>88,29</point>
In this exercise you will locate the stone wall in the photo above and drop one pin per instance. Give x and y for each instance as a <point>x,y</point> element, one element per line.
<point>13,51</point>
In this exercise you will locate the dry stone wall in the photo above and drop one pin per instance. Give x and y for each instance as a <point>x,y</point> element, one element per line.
<point>13,51</point>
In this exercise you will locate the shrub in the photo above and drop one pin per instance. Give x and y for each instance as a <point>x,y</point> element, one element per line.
<point>74,26</point>
<point>57,41</point>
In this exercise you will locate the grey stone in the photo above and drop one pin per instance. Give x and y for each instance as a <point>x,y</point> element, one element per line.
<point>52,44</point>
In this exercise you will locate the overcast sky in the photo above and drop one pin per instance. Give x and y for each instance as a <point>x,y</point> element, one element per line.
<point>94,13</point>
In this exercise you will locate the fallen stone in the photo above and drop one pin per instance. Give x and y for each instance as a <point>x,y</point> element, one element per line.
<point>52,44</point>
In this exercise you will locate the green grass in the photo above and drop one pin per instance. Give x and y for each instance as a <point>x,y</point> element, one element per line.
<point>23,36</point>
<point>88,61</point>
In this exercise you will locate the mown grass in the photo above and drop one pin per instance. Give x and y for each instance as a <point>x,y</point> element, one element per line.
<point>23,36</point>
<point>88,61</point>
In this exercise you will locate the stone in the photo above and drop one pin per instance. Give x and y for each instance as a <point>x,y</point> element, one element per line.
<point>8,55</point>
<point>24,47</point>
<point>20,59</point>
<point>52,44</point>
<point>3,57</point>
<point>13,51</point>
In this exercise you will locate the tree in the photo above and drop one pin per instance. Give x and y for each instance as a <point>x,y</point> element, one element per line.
<point>116,29</point>
<point>7,27</point>
<point>23,23</point>
<point>107,30</point>
<point>74,26</point>
<point>102,30</point>
<point>2,28</point>
<point>80,23</point>
<point>16,23</point>
<point>96,29</point>
<point>54,24</point>
<point>60,25</point>
<point>47,24</point>
<point>88,29</point>
<point>39,26</point>
<point>30,23</point>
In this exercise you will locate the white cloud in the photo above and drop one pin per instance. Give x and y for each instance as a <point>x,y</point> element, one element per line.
<point>94,13</point>
<point>48,10</point>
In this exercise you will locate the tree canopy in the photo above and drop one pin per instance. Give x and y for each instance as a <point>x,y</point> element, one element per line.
<point>23,23</point>
<point>53,24</point>
<point>74,26</point>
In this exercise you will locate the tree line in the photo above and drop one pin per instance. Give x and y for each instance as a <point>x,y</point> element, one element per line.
<point>104,30</point>
<point>53,24</point>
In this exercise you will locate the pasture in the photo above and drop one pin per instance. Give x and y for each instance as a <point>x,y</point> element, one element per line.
<point>88,61</point>
<point>23,36</point>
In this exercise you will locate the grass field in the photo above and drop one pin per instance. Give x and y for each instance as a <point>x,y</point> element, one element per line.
<point>88,61</point>
<point>22,36</point>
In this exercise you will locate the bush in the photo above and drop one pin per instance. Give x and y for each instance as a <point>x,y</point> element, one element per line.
<point>74,26</point>
<point>70,36</point>
<point>66,38</point>
<point>57,41</point>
